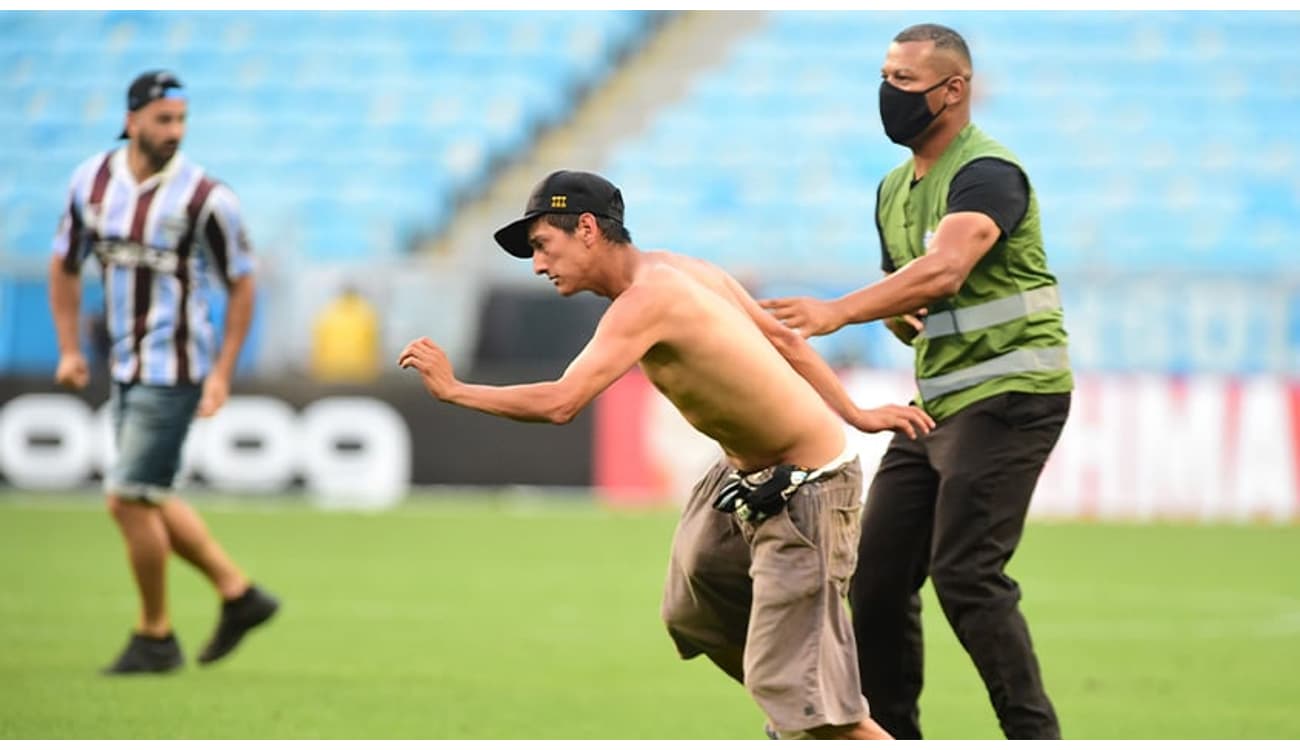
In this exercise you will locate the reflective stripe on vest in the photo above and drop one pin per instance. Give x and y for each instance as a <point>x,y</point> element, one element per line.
<point>988,314</point>
<point>1020,360</point>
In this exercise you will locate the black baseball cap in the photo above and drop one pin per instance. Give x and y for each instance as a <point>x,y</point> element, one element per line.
<point>149,86</point>
<point>562,192</point>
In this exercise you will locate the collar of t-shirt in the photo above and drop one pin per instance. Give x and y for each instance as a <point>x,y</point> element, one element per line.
<point>123,170</point>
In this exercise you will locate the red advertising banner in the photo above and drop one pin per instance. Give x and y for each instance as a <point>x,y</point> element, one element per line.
<point>1135,448</point>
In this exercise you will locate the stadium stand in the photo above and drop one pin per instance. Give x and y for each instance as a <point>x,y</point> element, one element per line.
<point>359,150</point>
<point>1154,140</point>
<point>338,158</point>
<point>1159,143</point>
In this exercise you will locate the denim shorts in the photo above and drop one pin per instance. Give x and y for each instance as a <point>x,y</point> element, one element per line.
<point>150,423</point>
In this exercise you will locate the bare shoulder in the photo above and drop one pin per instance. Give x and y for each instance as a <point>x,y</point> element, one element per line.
<point>683,263</point>
<point>685,269</point>
<point>653,289</point>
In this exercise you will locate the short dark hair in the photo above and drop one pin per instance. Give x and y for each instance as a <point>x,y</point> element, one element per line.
<point>942,36</point>
<point>614,231</point>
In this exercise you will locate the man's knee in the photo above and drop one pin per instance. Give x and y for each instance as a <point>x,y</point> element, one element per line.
<point>675,617</point>
<point>122,507</point>
<point>966,590</point>
<point>692,638</point>
<point>685,623</point>
<point>868,591</point>
<point>133,516</point>
<point>696,632</point>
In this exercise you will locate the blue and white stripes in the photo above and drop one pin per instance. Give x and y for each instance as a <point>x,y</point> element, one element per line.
<point>161,243</point>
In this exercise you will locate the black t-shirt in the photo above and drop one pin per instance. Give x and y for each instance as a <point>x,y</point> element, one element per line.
<point>991,186</point>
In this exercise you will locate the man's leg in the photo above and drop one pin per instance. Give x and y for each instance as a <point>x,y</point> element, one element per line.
<point>148,434</point>
<point>152,647</point>
<point>150,425</point>
<point>243,605</point>
<point>708,592</point>
<point>893,552</point>
<point>800,661</point>
<point>990,465</point>
<point>191,540</point>
<point>147,548</point>
<point>867,729</point>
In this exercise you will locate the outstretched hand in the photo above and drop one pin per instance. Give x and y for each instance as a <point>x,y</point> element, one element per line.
<point>909,420</point>
<point>424,356</point>
<point>810,317</point>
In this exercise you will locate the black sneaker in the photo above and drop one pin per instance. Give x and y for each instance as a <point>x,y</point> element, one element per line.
<point>145,654</point>
<point>238,616</point>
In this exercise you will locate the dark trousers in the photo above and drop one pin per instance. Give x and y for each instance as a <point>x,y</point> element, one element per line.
<point>952,506</point>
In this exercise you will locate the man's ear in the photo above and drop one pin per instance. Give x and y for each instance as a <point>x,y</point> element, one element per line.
<point>959,86</point>
<point>587,226</point>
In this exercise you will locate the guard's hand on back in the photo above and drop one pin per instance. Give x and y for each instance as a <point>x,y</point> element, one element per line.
<point>909,420</point>
<point>810,317</point>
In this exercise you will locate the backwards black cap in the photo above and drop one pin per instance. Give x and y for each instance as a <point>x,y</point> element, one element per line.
<point>562,192</point>
<point>149,86</point>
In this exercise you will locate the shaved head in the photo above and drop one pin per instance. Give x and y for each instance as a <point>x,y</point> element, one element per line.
<point>948,44</point>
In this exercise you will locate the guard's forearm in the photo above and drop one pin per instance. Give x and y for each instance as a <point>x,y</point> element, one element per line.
<point>65,307</point>
<point>239,317</point>
<point>913,286</point>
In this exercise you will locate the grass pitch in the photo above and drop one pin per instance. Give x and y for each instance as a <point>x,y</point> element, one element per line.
<point>473,618</point>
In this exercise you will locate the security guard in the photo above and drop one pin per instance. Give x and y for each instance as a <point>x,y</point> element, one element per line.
<point>968,287</point>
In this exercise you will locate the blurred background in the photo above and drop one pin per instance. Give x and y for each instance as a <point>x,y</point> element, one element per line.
<point>374,154</point>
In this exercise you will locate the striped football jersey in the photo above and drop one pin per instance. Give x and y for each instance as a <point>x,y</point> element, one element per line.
<point>161,243</point>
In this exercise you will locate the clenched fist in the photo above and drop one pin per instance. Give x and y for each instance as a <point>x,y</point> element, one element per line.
<point>72,371</point>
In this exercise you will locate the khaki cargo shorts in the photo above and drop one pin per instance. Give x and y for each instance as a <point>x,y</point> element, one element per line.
<point>766,603</point>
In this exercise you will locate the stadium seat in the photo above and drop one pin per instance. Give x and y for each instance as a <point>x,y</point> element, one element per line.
<point>450,91</point>
<point>1143,137</point>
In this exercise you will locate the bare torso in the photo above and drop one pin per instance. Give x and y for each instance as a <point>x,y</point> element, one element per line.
<point>715,365</point>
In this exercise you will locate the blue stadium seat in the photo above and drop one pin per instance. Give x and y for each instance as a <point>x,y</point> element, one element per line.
<point>412,116</point>
<point>1150,138</point>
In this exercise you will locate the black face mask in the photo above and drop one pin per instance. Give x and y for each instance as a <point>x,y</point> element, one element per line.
<point>905,114</point>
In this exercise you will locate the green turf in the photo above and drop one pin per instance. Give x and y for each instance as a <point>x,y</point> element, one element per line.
<point>489,620</point>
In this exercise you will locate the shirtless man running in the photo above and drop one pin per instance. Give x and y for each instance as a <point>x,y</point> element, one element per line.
<point>765,546</point>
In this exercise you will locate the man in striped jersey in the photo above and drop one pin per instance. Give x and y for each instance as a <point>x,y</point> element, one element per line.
<point>160,228</point>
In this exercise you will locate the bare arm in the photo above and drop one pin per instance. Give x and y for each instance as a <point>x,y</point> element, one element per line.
<point>225,239</point>
<point>959,242</point>
<point>65,307</point>
<point>811,367</point>
<point>622,337</point>
<point>239,316</point>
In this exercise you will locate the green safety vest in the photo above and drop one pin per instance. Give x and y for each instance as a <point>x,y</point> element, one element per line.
<point>1004,329</point>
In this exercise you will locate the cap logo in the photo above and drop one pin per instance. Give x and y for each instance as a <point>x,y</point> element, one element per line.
<point>559,201</point>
